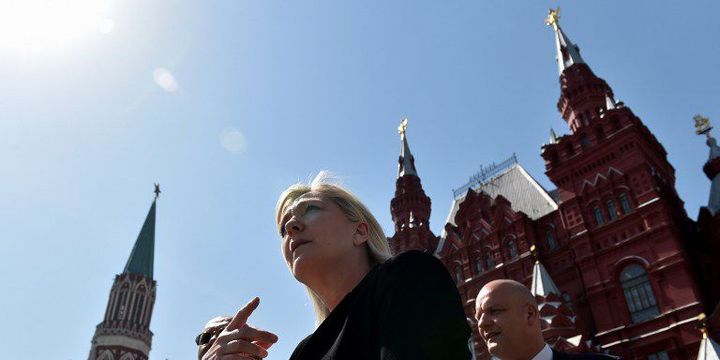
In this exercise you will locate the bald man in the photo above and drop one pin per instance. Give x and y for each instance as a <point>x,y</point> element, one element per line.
<point>509,322</point>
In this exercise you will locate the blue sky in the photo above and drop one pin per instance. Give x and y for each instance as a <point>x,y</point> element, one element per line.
<point>225,103</point>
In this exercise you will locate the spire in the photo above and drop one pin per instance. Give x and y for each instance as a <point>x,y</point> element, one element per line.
<point>141,257</point>
<point>557,320</point>
<point>703,127</point>
<point>542,283</point>
<point>406,165</point>
<point>581,110</point>
<point>568,54</point>
<point>410,207</point>
<point>553,136</point>
<point>709,349</point>
<point>712,166</point>
<point>609,102</point>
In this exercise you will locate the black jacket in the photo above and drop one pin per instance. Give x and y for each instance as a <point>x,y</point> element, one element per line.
<point>405,309</point>
<point>557,355</point>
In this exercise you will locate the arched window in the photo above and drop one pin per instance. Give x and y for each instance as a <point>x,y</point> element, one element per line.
<point>551,243</point>
<point>624,203</point>
<point>581,119</point>
<point>512,249</point>
<point>138,307</point>
<point>458,274</point>
<point>121,304</point>
<point>479,265</point>
<point>489,260</point>
<point>566,299</point>
<point>584,141</point>
<point>662,355</point>
<point>598,216</point>
<point>106,355</point>
<point>638,293</point>
<point>612,212</point>
<point>569,150</point>
<point>599,133</point>
<point>128,356</point>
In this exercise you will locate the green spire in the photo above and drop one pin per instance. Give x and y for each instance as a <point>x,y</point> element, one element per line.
<point>141,257</point>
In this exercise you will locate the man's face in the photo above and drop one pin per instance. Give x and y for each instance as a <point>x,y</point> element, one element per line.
<point>503,321</point>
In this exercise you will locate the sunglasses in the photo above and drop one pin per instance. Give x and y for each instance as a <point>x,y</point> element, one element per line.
<point>205,337</point>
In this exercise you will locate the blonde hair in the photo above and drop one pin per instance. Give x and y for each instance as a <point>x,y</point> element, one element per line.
<point>328,187</point>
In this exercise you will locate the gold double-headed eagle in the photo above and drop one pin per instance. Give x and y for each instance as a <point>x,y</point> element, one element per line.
<point>403,127</point>
<point>552,18</point>
<point>702,125</point>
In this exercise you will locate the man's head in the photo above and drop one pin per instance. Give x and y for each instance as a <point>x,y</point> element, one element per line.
<point>508,320</point>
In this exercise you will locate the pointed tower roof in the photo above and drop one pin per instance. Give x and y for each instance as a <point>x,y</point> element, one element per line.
<point>712,166</point>
<point>553,136</point>
<point>143,253</point>
<point>542,283</point>
<point>557,320</point>
<point>406,164</point>
<point>609,102</point>
<point>568,54</point>
<point>709,349</point>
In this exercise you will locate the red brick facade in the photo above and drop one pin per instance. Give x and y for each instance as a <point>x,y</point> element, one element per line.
<point>634,269</point>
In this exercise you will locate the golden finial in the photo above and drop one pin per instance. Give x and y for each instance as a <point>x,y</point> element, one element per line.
<point>403,128</point>
<point>702,125</point>
<point>702,324</point>
<point>552,18</point>
<point>533,253</point>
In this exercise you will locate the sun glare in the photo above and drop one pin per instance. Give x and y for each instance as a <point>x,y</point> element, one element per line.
<point>30,26</point>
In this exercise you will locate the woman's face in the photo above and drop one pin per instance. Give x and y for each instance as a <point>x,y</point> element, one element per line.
<point>317,237</point>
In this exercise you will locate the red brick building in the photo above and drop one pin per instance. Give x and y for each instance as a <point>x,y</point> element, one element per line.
<point>620,265</point>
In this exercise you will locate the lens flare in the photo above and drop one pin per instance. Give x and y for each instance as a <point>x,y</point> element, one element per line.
<point>165,79</point>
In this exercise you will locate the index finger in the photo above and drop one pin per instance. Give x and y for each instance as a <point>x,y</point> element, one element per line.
<point>243,314</point>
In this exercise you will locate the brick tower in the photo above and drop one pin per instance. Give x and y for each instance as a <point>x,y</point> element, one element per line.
<point>124,333</point>
<point>626,223</point>
<point>410,208</point>
<point>615,248</point>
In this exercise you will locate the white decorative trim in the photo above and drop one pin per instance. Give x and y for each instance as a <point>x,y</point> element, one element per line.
<point>649,202</point>
<point>651,333</point>
<point>540,189</point>
<point>599,176</point>
<point>610,169</point>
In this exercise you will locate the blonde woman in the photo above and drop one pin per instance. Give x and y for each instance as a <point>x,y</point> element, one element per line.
<point>368,305</point>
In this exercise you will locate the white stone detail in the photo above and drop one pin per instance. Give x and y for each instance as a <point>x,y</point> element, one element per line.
<point>124,341</point>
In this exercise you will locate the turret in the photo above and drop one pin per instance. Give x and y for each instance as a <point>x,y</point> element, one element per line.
<point>125,329</point>
<point>410,208</point>
<point>712,166</point>
<point>582,94</point>
<point>709,349</point>
<point>557,319</point>
<point>706,250</point>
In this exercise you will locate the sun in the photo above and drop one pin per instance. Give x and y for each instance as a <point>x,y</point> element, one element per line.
<point>30,26</point>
